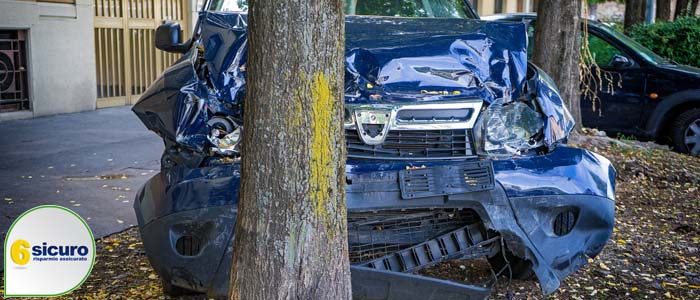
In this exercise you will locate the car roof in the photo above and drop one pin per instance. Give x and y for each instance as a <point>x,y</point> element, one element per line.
<point>516,17</point>
<point>510,17</point>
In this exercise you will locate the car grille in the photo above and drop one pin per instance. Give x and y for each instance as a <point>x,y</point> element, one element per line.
<point>375,234</point>
<point>414,144</point>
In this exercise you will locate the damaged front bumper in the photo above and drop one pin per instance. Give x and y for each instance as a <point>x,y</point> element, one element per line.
<point>554,210</point>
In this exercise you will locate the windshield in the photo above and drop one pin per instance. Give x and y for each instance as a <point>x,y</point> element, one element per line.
<point>393,8</point>
<point>642,51</point>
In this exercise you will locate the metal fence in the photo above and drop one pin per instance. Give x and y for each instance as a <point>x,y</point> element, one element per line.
<point>126,60</point>
<point>14,94</point>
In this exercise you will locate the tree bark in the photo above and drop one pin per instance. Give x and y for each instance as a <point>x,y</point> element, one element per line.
<point>558,49</point>
<point>291,233</point>
<point>663,10</point>
<point>682,8</point>
<point>635,13</point>
<point>693,7</point>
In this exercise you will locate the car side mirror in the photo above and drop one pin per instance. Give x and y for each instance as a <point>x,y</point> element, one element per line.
<point>619,61</point>
<point>169,39</point>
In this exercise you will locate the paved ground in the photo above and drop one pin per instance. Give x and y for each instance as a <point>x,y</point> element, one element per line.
<point>92,162</point>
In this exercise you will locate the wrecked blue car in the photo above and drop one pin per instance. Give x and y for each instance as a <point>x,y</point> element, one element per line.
<point>455,150</point>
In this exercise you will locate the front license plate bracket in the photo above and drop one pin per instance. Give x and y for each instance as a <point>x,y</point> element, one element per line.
<point>445,180</point>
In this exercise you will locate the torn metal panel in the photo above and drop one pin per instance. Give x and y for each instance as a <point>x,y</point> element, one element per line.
<point>565,250</point>
<point>559,122</point>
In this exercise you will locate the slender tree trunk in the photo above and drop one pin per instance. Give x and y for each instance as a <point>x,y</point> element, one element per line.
<point>558,48</point>
<point>663,10</point>
<point>694,7</point>
<point>291,233</point>
<point>682,8</point>
<point>635,13</point>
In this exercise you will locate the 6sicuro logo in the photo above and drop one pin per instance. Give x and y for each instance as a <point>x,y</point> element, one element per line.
<point>49,251</point>
<point>20,254</point>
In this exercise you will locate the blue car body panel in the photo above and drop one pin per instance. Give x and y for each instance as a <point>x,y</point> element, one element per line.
<point>388,61</point>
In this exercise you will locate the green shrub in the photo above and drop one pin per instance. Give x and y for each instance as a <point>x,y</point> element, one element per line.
<point>677,40</point>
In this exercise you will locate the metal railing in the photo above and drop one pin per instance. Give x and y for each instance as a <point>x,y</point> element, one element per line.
<point>126,60</point>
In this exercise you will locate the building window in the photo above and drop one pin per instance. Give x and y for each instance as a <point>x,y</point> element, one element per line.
<point>13,71</point>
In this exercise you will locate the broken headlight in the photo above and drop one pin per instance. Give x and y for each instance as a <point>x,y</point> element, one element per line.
<point>225,135</point>
<point>508,129</point>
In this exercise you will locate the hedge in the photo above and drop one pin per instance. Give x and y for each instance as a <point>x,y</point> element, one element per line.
<point>677,40</point>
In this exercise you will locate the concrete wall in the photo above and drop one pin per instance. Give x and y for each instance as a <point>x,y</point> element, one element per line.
<point>61,56</point>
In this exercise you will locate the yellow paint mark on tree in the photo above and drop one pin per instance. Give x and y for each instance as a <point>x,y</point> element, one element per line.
<point>321,153</point>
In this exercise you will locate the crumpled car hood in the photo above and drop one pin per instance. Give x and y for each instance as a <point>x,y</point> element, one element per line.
<point>432,59</point>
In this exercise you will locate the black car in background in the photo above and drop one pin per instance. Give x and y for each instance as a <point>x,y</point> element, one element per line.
<point>652,98</point>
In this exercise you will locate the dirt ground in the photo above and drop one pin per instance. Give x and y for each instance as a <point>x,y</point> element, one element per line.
<point>653,254</point>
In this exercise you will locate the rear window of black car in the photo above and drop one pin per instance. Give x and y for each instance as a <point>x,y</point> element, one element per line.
<point>389,8</point>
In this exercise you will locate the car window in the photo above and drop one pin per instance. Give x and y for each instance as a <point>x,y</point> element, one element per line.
<point>407,8</point>
<point>393,8</point>
<point>640,50</point>
<point>602,51</point>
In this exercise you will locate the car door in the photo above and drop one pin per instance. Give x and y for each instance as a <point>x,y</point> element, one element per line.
<point>620,92</point>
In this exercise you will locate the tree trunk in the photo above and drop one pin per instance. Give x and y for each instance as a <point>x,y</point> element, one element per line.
<point>558,48</point>
<point>663,10</point>
<point>682,8</point>
<point>635,13</point>
<point>694,7</point>
<point>291,233</point>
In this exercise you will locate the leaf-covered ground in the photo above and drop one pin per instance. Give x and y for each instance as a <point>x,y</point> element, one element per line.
<point>653,254</point>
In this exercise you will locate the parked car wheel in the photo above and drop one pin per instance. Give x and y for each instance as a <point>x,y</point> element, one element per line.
<point>686,132</point>
<point>520,268</point>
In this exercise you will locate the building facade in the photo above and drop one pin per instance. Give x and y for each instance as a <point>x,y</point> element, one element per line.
<point>46,57</point>
<point>493,7</point>
<point>62,56</point>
